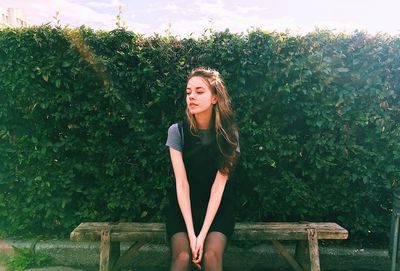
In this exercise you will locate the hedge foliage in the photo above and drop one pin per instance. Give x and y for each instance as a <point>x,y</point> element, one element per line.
<point>84,117</point>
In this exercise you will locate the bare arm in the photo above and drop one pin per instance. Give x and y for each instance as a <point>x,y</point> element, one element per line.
<point>182,190</point>
<point>213,204</point>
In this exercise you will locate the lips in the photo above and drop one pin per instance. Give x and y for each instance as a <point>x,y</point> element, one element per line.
<point>192,104</point>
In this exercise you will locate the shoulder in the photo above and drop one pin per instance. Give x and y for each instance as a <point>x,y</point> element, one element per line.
<point>174,139</point>
<point>173,131</point>
<point>173,128</point>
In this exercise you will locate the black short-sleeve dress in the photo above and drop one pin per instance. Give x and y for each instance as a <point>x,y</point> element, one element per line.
<point>201,164</point>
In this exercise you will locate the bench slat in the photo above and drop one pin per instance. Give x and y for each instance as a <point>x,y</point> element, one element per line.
<point>130,231</point>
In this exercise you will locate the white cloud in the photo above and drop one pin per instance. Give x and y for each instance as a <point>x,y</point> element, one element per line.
<point>109,4</point>
<point>218,16</point>
<point>196,16</point>
<point>173,7</point>
<point>72,13</point>
<point>138,27</point>
<point>183,28</point>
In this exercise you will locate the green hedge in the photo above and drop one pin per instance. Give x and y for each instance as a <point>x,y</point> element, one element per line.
<point>84,117</point>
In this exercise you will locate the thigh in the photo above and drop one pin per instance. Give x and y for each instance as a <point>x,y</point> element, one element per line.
<point>217,242</point>
<point>180,243</point>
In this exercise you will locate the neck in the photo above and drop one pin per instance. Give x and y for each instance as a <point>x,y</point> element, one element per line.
<point>203,119</point>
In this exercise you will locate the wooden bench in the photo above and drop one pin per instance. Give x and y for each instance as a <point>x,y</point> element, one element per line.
<point>111,234</point>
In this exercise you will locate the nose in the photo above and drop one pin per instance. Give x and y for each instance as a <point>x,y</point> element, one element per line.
<point>191,95</point>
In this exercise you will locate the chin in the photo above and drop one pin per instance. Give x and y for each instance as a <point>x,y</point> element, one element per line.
<point>193,111</point>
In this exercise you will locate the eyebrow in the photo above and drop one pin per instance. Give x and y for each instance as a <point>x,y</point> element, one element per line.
<point>196,88</point>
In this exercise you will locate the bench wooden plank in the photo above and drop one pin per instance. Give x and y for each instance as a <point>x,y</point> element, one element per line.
<point>128,256</point>
<point>292,261</point>
<point>129,231</point>
<point>300,254</point>
<point>313,249</point>
<point>136,226</point>
<point>109,251</point>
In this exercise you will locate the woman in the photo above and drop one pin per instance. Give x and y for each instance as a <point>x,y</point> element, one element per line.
<point>203,149</point>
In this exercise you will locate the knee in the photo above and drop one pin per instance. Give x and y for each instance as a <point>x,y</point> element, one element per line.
<point>212,261</point>
<point>182,259</point>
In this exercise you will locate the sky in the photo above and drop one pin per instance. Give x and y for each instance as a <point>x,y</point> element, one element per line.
<point>183,18</point>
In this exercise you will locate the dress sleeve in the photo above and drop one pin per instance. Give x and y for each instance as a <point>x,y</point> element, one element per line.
<point>174,139</point>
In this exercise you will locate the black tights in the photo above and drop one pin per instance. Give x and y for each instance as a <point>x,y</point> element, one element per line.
<point>213,252</point>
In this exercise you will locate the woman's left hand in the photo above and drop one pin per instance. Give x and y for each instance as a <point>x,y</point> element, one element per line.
<point>198,251</point>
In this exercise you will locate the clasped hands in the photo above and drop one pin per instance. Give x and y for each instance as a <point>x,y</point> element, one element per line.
<point>196,245</point>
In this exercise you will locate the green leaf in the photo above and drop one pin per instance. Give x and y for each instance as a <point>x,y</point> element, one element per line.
<point>342,69</point>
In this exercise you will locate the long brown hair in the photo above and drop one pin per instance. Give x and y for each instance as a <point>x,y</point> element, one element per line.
<point>222,118</point>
